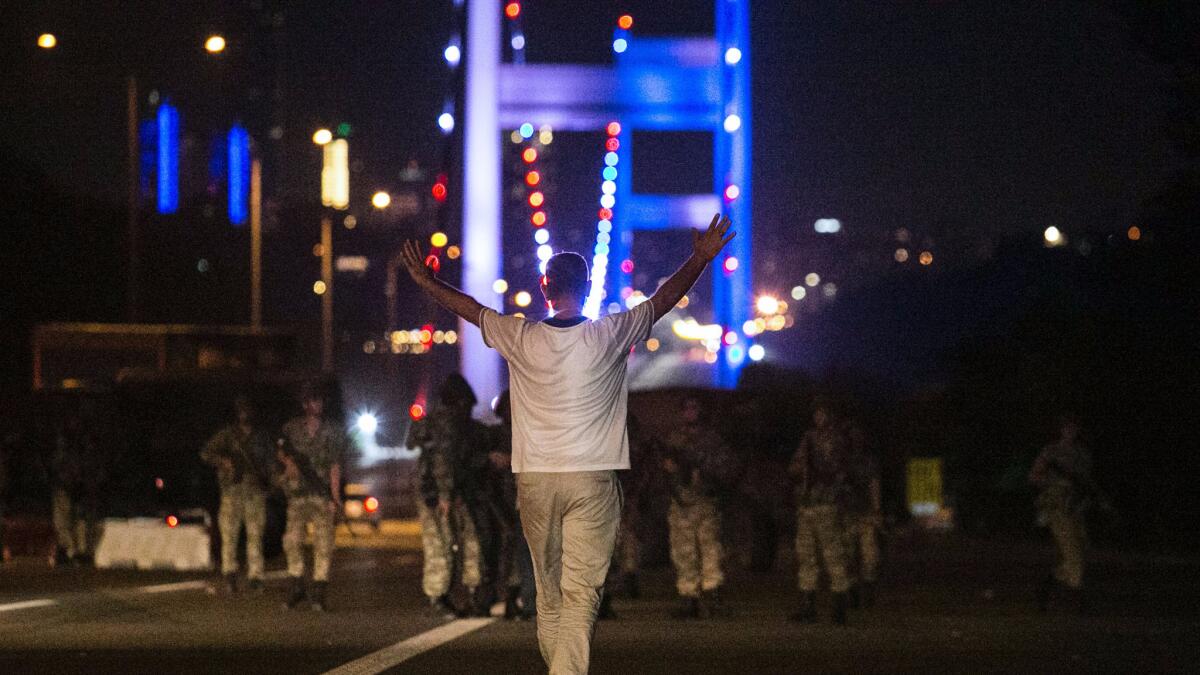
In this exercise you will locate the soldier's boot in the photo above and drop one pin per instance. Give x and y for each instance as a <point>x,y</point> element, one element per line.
<point>630,583</point>
<point>510,602</point>
<point>867,593</point>
<point>689,608</point>
<point>1045,591</point>
<point>840,605</point>
<point>231,586</point>
<point>711,605</point>
<point>855,596</point>
<point>256,586</point>
<point>605,612</point>
<point>441,606</point>
<point>317,596</point>
<point>807,611</point>
<point>296,593</point>
<point>1078,600</point>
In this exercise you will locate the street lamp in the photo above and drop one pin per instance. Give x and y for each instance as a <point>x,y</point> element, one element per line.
<point>47,41</point>
<point>381,200</point>
<point>322,136</point>
<point>215,44</point>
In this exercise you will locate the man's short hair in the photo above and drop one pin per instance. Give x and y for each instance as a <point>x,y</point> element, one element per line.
<point>567,274</point>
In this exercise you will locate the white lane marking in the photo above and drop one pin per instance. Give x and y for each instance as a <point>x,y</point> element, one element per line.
<point>177,586</point>
<point>27,604</point>
<point>389,657</point>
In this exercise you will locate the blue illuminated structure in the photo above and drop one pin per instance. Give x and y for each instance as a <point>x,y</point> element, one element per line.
<point>655,84</point>
<point>167,180</point>
<point>239,175</point>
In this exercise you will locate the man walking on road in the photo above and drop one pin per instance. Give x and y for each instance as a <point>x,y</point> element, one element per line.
<point>569,397</point>
<point>241,453</point>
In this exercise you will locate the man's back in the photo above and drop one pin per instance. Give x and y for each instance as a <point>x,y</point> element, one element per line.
<point>568,383</point>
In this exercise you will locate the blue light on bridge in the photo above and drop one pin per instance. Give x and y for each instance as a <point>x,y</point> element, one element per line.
<point>239,175</point>
<point>168,158</point>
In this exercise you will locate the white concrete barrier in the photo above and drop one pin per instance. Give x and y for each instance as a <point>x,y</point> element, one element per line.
<point>149,543</point>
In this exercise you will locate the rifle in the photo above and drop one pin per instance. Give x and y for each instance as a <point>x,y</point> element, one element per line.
<point>248,463</point>
<point>284,451</point>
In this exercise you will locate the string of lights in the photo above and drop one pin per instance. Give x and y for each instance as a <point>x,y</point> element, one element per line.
<point>516,32</point>
<point>608,201</point>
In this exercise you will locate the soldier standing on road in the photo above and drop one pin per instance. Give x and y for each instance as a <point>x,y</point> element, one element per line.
<point>1062,473</point>
<point>515,568</point>
<point>241,453</point>
<point>700,467</point>
<point>76,471</point>
<point>448,439</point>
<point>862,521</point>
<point>819,471</point>
<point>312,452</point>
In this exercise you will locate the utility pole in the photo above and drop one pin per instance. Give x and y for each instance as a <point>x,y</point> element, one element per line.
<point>327,296</point>
<point>256,245</point>
<point>131,232</point>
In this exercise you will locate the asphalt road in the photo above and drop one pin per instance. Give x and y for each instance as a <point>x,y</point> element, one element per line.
<point>947,604</point>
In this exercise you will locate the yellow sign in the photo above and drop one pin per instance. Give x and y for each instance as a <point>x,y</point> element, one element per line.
<point>924,486</point>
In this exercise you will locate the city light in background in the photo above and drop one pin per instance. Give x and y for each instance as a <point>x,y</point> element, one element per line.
<point>215,44</point>
<point>381,200</point>
<point>322,136</point>
<point>47,41</point>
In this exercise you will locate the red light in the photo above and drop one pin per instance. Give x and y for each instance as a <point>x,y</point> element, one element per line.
<point>512,10</point>
<point>172,521</point>
<point>533,178</point>
<point>416,411</point>
<point>612,144</point>
<point>439,191</point>
<point>370,505</point>
<point>427,334</point>
<point>432,262</point>
<point>158,483</point>
<point>530,155</point>
<point>731,264</point>
<point>732,192</point>
<point>613,128</point>
<point>605,214</point>
<point>545,281</point>
<point>538,218</point>
<point>625,22</point>
<point>536,199</point>
<point>627,266</point>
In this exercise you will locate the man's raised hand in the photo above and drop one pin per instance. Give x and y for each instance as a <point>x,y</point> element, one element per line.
<point>414,263</point>
<point>706,245</point>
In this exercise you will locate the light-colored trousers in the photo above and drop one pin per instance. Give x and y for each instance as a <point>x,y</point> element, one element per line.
<point>695,537</point>
<point>570,521</point>
<point>302,510</point>
<point>818,534</point>
<point>242,503</point>
<point>75,531</point>
<point>1070,540</point>
<point>438,536</point>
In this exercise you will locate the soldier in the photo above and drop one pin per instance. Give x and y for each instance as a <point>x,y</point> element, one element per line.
<point>448,439</point>
<point>515,566</point>
<point>311,453</point>
<point>1062,474</point>
<point>241,454</point>
<point>862,521</point>
<point>819,471</point>
<point>76,472</point>
<point>700,467</point>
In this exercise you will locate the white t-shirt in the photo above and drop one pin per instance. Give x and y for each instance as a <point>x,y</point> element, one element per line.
<point>567,387</point>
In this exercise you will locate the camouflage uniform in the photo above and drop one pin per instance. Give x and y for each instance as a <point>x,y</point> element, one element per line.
<point>312,503</point>
<point>821,461</point>
<point>861,519</point>
<point>704,467</point>
<point>76,473</point>
<point>449,445</point>
<point>243,493</point>
<point>1063,497</point>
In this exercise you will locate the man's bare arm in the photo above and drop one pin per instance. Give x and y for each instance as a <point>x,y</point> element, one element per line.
<point>705,247</point>
<point>443,293</point>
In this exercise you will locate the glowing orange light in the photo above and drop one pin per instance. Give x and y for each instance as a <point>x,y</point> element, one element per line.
<point>1134,233</point>
<point>512,10</point>
<point>533,178</point>
<point>613,128</point>
<point>538,218</point>
<point>370,505</point>
<point>530,155</point>
<point>416,411</point>
<point>433,263</point>
<point>625,22</point>
<point>439,191</point>
<point>536,199</point>
<point>731,264</point>
<point>612,144</point>
<point>172,521</point>
<point>605,214</point>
